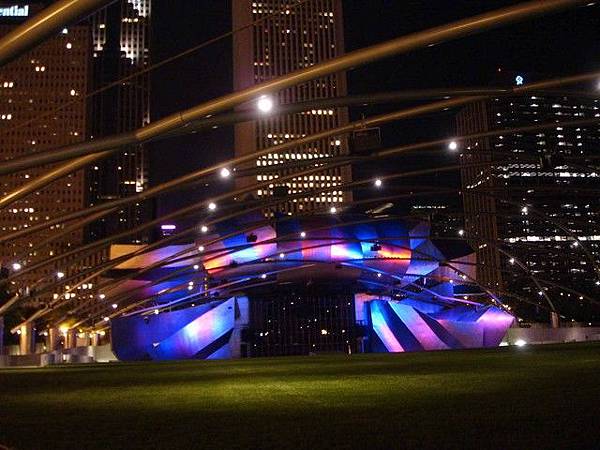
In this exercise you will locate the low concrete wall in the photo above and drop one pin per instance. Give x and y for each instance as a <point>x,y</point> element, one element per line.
<point>538,335</point>
<point>78,355</point>
<point>32,360</point>
<point>90,353</point>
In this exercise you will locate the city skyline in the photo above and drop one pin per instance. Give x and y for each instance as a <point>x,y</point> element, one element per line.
<point>299,224</point>
<point>544,171</point>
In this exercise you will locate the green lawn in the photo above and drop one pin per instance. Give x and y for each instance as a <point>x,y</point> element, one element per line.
<point>528,398</point>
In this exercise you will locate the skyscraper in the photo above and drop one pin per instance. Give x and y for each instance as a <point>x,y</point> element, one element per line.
<point>121,39</point>
<point>550,171</point>
<point>298,36</point>
<point>32,89</point>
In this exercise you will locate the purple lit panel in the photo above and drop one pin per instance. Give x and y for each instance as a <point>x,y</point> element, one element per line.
<point>213,259</point>
<point>397,327</point>
<point>418,327</point>
<point>382,329</point>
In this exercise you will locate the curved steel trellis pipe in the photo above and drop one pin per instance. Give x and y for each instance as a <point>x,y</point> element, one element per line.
<point>370,180</point>
<point>338,240</point>
<point>524,268</point>
<point>45,24</point>
<point>193,178</point>
<point>260,206</point>
<point>159,64</point>
<point>190,209</point>
<point>220,253</point>
<point>542,290</point>
<point>308,193</point>
<point>454,30</point>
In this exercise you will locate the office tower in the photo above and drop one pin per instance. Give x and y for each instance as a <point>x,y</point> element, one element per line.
<point>291,37</point>
<point>121,38</point>
<point>550,171</point>
<point>444,216</point>
<point>37,113</point>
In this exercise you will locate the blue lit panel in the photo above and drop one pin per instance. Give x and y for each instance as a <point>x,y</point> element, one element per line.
<point>201,332</point>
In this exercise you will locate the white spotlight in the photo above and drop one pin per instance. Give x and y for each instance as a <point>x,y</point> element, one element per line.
<point>453,145</point>
<point>212,206</point>
<point>60,275</point>
<point>378,183</point>
<point>333,210</point>
<point>204,228</point>
<point>303,235</point>
<point>520,343</point>
<point>225,172</point>
<point>17,266</point>
<point>265,104</point>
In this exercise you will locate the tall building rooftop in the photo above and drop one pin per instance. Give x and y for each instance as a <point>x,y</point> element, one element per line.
<point>289,38</point>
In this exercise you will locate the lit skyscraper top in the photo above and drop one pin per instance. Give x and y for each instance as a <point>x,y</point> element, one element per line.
<point>300,36</point>
<point>121,39</point>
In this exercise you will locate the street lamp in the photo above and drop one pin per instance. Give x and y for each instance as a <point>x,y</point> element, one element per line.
<point>265,104</point>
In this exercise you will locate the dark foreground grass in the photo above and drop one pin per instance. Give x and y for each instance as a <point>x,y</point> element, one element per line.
<point>528,398</point>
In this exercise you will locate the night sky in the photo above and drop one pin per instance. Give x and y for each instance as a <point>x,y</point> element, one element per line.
<point>564,43</point>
